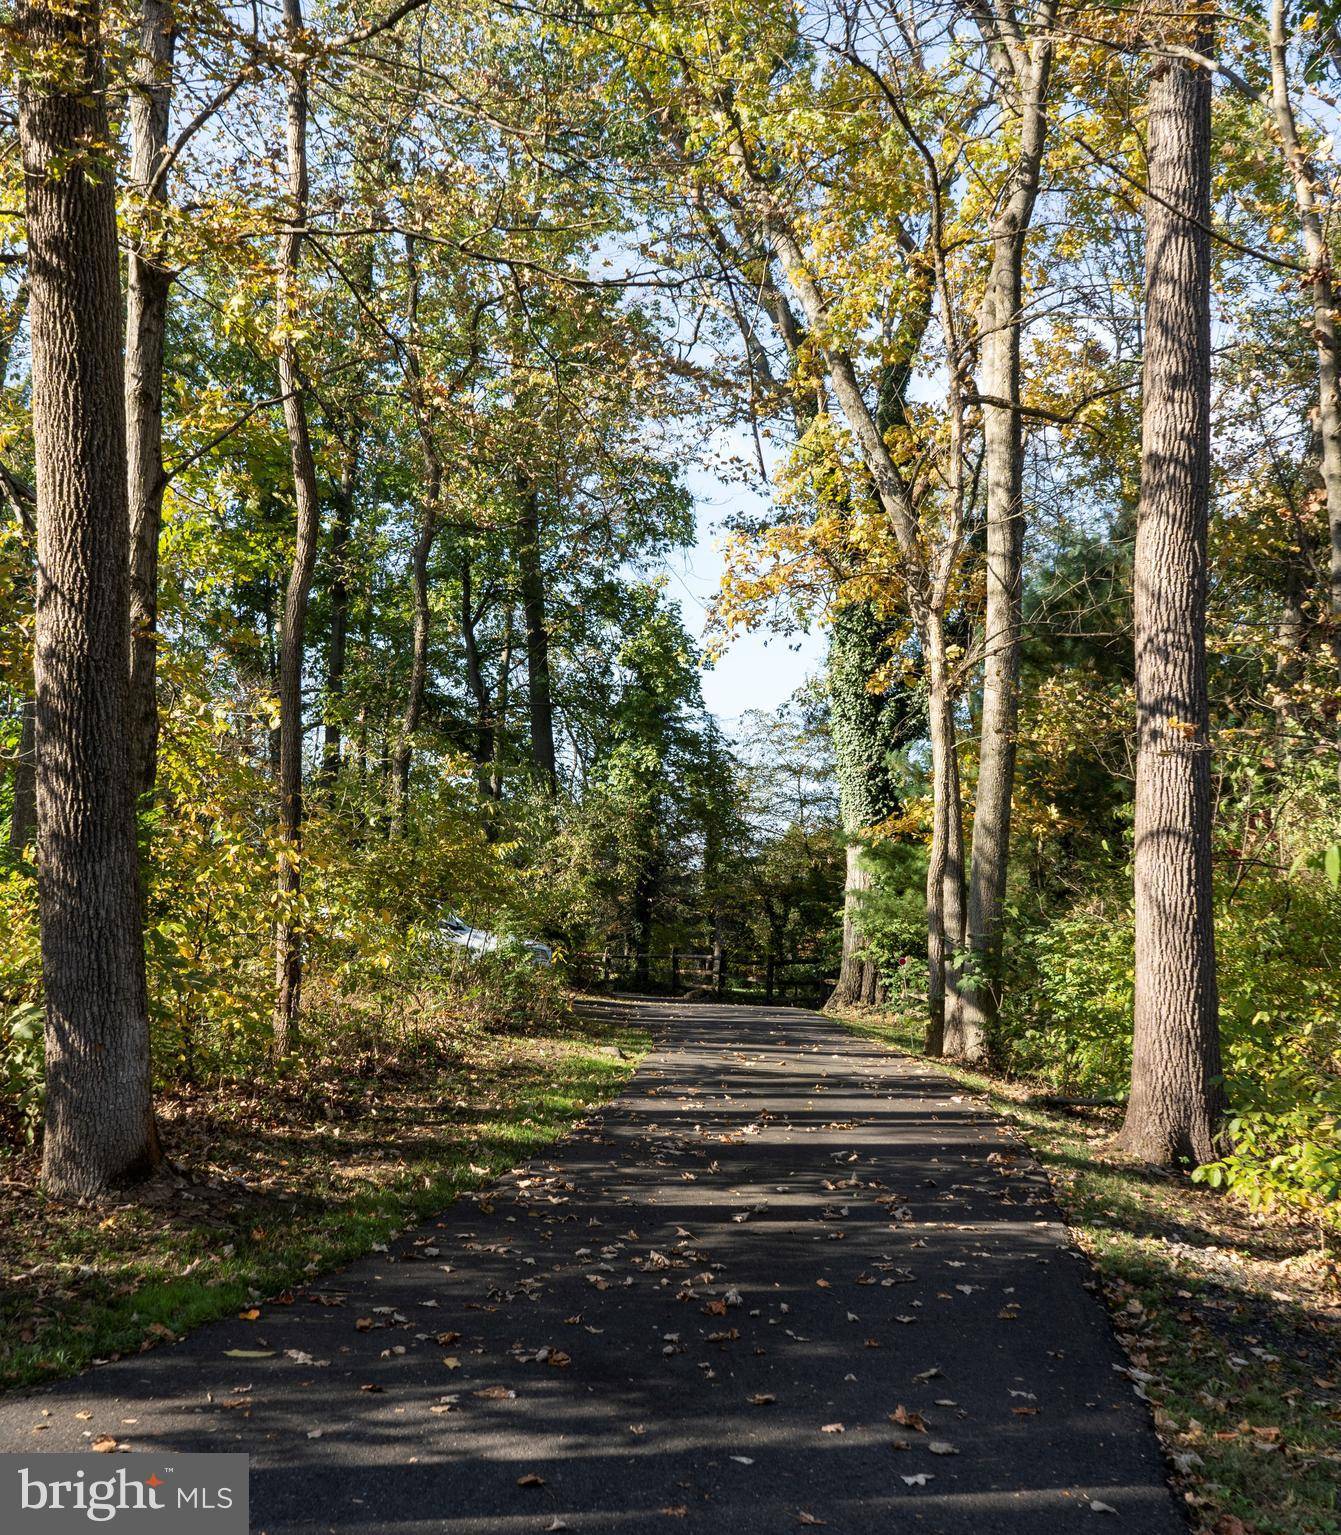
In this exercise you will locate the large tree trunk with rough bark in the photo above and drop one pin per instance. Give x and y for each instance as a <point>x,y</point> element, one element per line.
<point>531,583</point>
<point>293,625</point>
<point>1177,1099</point>
<point>1024,69</point>
<point>147,282</point>
<point>99,1112</point>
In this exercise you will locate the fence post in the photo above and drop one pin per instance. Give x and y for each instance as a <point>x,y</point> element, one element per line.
<point>718,969</point>
<point>675,972</point>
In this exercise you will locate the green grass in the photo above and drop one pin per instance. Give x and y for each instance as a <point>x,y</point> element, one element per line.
<point>273,1190</point>
<point>1235,1319</point>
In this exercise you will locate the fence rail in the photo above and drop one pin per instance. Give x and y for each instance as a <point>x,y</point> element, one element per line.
<point>709,975</point>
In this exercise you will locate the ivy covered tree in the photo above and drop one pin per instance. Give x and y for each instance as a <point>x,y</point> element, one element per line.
<point>873,716</point>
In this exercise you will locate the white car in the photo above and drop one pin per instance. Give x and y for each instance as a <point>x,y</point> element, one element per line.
<point>475,940</point>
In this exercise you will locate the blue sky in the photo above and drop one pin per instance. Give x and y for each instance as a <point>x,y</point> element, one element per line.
<point>760,671</point>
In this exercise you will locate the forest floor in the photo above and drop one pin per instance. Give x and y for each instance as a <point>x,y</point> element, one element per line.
<point>269,1186</point>
<point>788,1278</point>
<point>1231,1320</point>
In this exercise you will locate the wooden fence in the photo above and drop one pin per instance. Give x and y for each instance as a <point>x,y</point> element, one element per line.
<point>713,976</point>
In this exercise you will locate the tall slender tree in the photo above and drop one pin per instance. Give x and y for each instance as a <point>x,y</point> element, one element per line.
<point>1177,1098</point>
<point>307,531</point>
<point>426,533</point>
<point>1022,62</point>
<point>99,1113</point>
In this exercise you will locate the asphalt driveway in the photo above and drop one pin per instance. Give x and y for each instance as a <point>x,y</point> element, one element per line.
<point>789,1279</point>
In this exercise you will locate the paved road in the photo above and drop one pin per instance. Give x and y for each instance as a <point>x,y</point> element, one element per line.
<point>700,1315</point>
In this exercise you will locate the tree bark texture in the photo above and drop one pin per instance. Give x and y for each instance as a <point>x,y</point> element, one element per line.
<point>852,968</point>
<point>1177,1102</point>
<point>148,280</point>
<point>99,1113</point>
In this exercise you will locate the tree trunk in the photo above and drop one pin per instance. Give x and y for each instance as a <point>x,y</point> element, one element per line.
<point>865,727</point>
<point>484,729</point>
<point>293,626</point>
<point>414,693</point>
<point>642,927</point>
<point>500,721</point>
<point>1025,68</point>
<point>423,548</point>
<point>531,580</point>
<point>147,284</point>
<point>1323,294</point>
<point>1177,1097</point>
<point>23,810</point>
<point>858,881</point>
<point>945,865</point>
<point>99,1110</point>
